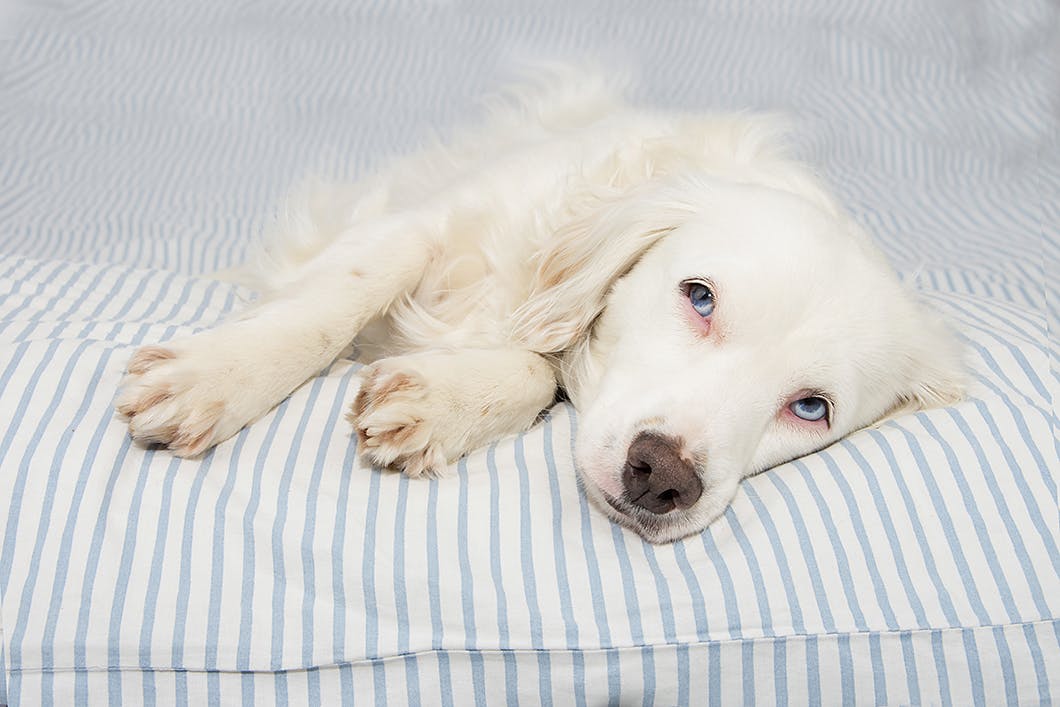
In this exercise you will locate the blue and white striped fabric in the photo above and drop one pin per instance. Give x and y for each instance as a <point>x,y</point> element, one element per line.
<point>142,143</point>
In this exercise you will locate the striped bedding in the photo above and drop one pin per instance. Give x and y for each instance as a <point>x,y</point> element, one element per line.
<point>142,143</point>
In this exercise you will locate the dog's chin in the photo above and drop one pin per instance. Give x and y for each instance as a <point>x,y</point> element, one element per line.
<point>656,529</point>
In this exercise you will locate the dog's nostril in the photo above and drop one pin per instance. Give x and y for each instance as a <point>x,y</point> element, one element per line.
<point>656,477</point>
<point>639,467</point>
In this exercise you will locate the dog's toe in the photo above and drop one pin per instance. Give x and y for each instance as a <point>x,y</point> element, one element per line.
<point>394,419</point>
<point>165,404</point>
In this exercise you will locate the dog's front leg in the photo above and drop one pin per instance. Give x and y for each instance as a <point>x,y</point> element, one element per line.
<point>420,411</point>
<point>192,393</point>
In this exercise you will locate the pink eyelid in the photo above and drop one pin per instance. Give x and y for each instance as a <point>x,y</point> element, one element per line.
<point>699,323</point>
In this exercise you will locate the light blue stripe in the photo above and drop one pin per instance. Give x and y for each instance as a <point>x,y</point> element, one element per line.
<point>504,638</point>
<point>728,589</point>
<point>250,542</point>
<point>1036,652</point>
<point>647,657</point>
<point>879,672</point>
<point>808,553</point>
<point>445,680</point>
<point>843,564</point>
<point>183,596</point>
<point>939,653</point>
<point>945,602</point>
<point>526,543</point>
<point>346,682</point>
<point>412,678</point>
<point>150,690</point>
<point>283,494</point>
<point>684,674</point>
<point>579,687</point>
<point>247,686</point>
<point>1007,670</point>
<point>280,691</point>
<point>794,609</point>
<point>217,564</point>
<point>511,678</point>
<point>401,600</point>
<point>467,586</point>
<point>434,597</point>
<point>558,549</point>
<point>975,670</point>
<point>912,677</point>
<point>765,615</point>
<point>511,674</point>
<point>338,547</point>
<point>312,688</point>
<point>379,682</point>
<point>1034,510</point>
<point>856,515</point>
<point>887,522</point>
<point>698,603</point>
<point>629,586</point>
<point>780,671</point>
<point>846,669</point>
<point>978,522</point>
<point>114,696</point>
<point>945,518</point>
<point>526,556</point>
<point>368,578</point>
<point>478,678</point>
<point>309,590</point>
<point>666,606</point>
<point>747,672</point>
<point>813,670</point>
<point>714,673</point>
<point>117,609</point>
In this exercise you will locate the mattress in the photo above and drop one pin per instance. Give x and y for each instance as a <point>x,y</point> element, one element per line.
<point>144,143</point>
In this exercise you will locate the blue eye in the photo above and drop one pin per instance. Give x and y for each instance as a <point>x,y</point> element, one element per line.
<point>810,409</point>
<point>702,298</point>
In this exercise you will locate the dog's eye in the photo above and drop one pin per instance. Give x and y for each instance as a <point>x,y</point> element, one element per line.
<point>810,409</point>
<point>701,297</point>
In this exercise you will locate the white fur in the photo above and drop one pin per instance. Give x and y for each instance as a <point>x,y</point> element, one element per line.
<point>548,248</point>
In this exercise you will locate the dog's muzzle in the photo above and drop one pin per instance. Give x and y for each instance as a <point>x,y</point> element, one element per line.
<point>656,477</point>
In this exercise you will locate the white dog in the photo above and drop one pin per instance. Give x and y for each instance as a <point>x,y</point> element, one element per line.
<point>707,307</point>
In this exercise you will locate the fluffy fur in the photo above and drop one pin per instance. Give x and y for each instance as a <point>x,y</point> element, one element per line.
<point>548,250</point>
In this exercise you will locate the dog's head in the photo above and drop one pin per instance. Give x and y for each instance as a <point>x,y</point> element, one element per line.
<point>750,326</point>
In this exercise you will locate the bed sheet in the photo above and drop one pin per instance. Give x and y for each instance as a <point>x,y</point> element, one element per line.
<point>143,144</point>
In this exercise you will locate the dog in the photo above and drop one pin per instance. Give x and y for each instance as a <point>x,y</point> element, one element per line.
<point>695,292</point>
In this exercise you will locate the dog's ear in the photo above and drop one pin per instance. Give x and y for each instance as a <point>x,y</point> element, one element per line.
<point>933,368</point>
<point>606,235</point>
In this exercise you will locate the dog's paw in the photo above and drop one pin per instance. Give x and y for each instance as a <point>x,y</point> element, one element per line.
<point>178,397</point>
<point>398,420</point>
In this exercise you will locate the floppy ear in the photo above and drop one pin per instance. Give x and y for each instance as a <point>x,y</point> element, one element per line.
<point>609,232</point>
<point>934,369</point>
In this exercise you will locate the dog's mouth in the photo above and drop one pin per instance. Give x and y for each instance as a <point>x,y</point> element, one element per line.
<point>655,528</point>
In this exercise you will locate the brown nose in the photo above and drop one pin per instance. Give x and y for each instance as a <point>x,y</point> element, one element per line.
<point>656,478</point>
